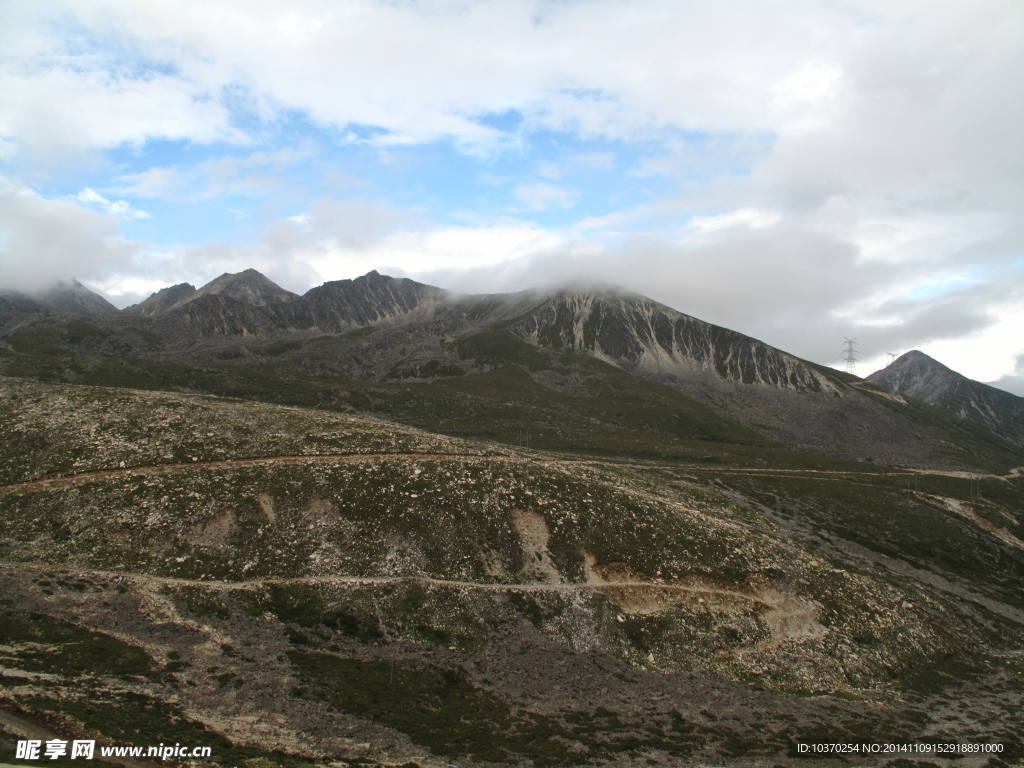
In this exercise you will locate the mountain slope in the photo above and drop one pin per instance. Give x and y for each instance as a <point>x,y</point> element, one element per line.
<point>640,335</point>
<point>299,587</point>
<point>915,374</point>
<point>791,400</point>
<point>15,305</point>
<point>162,301</point>
<point>75,297</point>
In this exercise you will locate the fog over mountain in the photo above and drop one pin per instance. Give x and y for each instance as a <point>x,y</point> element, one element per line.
<point>800,174</point>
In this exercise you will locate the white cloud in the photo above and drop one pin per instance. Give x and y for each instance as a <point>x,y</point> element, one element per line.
<point>581,162</point>
<point>550,170</point>
<point>441,253</point>
<point>542,196</point>
<point>809,97</point>
<point>1013,380</point>
<point>68,108</point>
<point>45,240</point>
<point>989,353</point>
<point>745,217</point>
<point>255,174</point>
<point>888,97</point>
<point>423,72</point>
<point>118,208</point>
<point>351,224</point>
<point>612,225</point>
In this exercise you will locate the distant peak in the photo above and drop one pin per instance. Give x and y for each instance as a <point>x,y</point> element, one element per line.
<point>582,286</point>
<point>72,296</point>
<point>914,366</point>
<point>918,358</point>
<point>915,354</point>
<point>244,275</point>
<point>162,301</point>
<point>250,272</point>
<point>921,376</point>
<point>249,286</point>
<point>58,285</point>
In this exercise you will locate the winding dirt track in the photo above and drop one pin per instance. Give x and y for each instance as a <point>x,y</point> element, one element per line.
<point>59,481</point>
<point>227,586</point>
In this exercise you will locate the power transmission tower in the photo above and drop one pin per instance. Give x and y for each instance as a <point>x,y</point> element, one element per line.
<point>851,358</point>
<point>892,356</point>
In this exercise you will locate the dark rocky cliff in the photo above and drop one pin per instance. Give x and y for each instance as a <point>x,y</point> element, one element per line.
<point>642,336</point>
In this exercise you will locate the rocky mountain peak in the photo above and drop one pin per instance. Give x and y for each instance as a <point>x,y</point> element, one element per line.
<point>74,297</point>
<point>917,375</point>
<point>368,299</point>
<point>249,286</point>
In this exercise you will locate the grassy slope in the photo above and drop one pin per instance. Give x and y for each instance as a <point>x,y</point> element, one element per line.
<point>616,413</point>
<point>584,405</point>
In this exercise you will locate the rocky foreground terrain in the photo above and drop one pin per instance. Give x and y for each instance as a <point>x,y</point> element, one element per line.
<point>295,586</point>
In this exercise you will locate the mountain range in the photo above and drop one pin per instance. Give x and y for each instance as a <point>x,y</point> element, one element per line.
<point>380,333</point>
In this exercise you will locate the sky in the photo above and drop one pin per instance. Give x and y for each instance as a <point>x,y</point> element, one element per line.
<point>802,171</point>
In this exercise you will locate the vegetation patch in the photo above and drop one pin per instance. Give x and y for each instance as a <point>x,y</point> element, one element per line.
<point>135,719</point>
<point>439,709</point>
<point>42,643</point>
